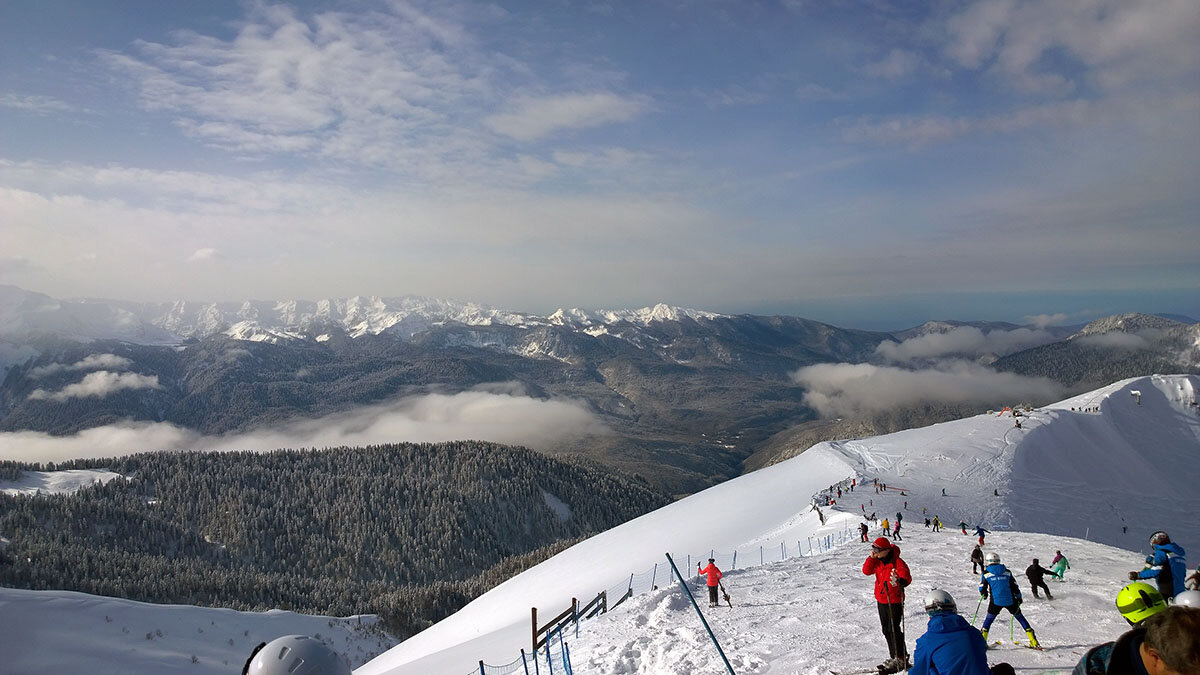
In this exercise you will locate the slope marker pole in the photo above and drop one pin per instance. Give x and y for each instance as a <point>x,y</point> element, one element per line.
<point>704,621</point>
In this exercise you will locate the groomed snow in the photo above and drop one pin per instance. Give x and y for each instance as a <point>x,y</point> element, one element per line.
<point>55,482</point>
<point>1065,472</point>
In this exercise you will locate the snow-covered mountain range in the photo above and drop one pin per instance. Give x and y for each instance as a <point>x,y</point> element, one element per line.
<point>283,320</point>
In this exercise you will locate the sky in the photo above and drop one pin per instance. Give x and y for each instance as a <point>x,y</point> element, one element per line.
<point>865,163</point>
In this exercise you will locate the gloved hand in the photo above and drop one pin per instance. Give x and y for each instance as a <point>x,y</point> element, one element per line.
<point>1133,576</point>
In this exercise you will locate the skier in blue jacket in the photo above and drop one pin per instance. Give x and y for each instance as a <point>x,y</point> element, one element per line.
<point>1167,566</point>
<point>1005,594</point>
<point>950,644</point>
<point>979,532</point>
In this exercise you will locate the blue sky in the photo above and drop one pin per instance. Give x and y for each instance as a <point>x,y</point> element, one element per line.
<point>865,163</point>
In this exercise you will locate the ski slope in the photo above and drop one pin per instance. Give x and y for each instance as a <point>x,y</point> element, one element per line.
<point>68,632</point>
<point>1131,463</point>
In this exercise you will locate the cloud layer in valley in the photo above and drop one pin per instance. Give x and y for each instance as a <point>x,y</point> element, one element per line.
<point>963,341</point>
<point>98,384</point>
<point>846,390</point>
<point>497,415</point>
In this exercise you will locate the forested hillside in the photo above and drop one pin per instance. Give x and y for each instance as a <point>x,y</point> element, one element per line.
<point>408,531</point>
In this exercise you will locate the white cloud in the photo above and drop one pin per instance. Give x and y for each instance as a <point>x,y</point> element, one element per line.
<point>967,341</point>
<point>497,415</point>
<point>90,362</point>
<point>41,105</point>
<point>923,129</point>
<point>1047,320</point>
<point>204,254</point>
<point>1044,45</point>
<point>897,64</point>
<point>99,384</point>
<point>1114,340</point>
<point>845,390</point>
<point>530,118</point>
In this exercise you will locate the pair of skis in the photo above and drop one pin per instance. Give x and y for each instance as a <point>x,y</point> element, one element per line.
<point>1020,644</point>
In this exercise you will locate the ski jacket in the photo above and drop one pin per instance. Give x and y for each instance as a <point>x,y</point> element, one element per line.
<point>1000,583</point>
<point>979,531</point>
<point>977,554</point>
<point>885,591</point>
<point>1036,572</point>
<point>714,574</point>
<point>1167,567</point>
<point>1113,657</point>
<point>1057,557</point>
<point>950,645</point>
<point>885,524</point>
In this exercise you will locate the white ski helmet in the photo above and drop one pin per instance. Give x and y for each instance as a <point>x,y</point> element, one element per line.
<point>937,601</point>
<point>992,558</point>
<point>297,655</point>
<point>1188,599</point>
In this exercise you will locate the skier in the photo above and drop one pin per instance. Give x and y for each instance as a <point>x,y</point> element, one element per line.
<point>1167,566</point>
<point>896,532</point>
<point>862,528</point>
<point>295,654</point>
<point>926,522</point>
<point>943,492</point>
<point>977,560</point>
<point>1139,601</point>
<point>937,524</point>
<point>950,644</point>
<point>891,576</point>
<point>962,525</point>
<point>998,583</point>
<point>887,530</point>
<point>1167,642</point>
<point>979,532</point>
<point>1034,573</point>
<point>714,579</point>
<point>899,516</point>
<point>1060,565</point>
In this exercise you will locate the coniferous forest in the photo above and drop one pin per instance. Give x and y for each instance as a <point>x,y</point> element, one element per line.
<point>411,532</point>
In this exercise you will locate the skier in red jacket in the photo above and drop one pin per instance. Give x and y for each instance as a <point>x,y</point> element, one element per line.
<point>714,580</point>
<point>891,576</point>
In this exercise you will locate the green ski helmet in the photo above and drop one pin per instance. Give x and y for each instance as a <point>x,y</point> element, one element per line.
<point>1139,601</point>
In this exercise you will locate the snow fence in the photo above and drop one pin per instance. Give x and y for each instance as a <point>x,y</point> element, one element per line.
<point>554,657</point>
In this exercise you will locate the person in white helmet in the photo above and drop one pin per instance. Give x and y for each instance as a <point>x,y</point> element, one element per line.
<point>950,644</point>
<point>998,583</point>
<point>295,655</point>
<point>1188,599</point>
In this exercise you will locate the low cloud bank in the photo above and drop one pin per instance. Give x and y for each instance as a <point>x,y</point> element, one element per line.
<point>845,390</point>
<point>964,341</point>
<point>99,384</point>
<point>1118,340</point>
<point>92,362</point>
<point>493,415</point>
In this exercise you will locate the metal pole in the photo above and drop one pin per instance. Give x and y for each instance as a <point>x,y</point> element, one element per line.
<point>704,621</point>
<point>526,663</point>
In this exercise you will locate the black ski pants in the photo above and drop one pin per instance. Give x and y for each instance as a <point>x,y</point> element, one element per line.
<point>712,595</point>
<point>975,565</point>
<point>1040,583</point>
<point>889,619</point>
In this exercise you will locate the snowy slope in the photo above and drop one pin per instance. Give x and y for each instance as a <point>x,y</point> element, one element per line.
<point>813,615</point>
<point>1064,472</point>
<point>67,632</point>
<point>55,482</point>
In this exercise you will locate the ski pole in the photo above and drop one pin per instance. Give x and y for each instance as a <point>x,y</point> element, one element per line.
<point>976,611</point>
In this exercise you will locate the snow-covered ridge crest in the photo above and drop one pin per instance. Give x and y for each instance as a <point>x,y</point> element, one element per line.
<point>1129,323</point>
<point>643,317</point>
